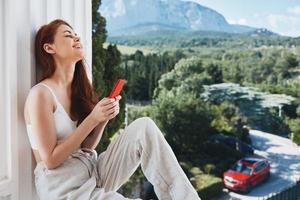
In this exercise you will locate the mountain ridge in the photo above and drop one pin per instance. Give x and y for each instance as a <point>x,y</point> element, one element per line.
<point>133,17</point>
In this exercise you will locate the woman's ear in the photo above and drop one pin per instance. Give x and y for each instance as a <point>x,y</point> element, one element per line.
<point>48,48</point>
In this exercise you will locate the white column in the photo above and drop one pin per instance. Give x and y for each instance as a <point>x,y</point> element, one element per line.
<point>8,103</point>
<point>19,21</point>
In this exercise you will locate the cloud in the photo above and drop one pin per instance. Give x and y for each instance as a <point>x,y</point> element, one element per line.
<point>294,10</point>
<point>113,9</point>
<point>284,24</point>
<point>241,21</point>
<point>119,8</point>
<point>274,20</point>
<point>133,2</point>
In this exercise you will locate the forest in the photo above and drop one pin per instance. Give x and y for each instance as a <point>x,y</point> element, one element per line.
<point>169,84</point>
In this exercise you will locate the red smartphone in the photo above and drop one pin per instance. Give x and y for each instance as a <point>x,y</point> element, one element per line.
<point>117,88</point>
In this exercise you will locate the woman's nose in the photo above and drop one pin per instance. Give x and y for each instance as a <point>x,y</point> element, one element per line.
<point>77,39</point>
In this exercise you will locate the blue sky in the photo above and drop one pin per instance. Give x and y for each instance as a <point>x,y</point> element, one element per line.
<point>280,16</point>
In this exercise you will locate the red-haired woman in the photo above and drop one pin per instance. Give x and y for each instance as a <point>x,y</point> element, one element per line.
<point>65,124</point>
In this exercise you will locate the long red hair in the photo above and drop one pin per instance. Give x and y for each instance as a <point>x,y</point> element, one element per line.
<point>83,98</point>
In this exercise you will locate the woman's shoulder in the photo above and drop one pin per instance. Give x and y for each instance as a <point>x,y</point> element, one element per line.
<point>41,87</point>
<point>39,95</point>
<point>38,91</point>
<point>37,98</point>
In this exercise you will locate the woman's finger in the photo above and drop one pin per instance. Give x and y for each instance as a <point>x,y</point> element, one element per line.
<point>113,109</point>
<point>109,106</point>
<point>118,98</point>
<point>111,116</point>
<point>106,101</point>
<point>110,110</point>
<point>114,112</point>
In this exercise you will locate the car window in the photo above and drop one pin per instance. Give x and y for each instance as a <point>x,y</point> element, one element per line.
<point>263,165</point>
<point>239,167</point>
<point>259,167</point>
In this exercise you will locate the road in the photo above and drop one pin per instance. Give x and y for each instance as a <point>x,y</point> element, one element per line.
<point>284,156</point>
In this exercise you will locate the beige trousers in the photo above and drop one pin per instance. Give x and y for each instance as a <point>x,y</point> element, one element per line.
<point>86,176</point>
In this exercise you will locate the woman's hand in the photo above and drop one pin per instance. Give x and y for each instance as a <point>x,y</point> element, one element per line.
<point>115,110</point>
<point>106,109</point>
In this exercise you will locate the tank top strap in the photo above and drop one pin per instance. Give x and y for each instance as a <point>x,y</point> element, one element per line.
<point>54,96</point>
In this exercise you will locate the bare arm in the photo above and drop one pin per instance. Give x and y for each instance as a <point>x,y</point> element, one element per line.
<point>40,109</point>
<point>92,140</point>
<point>61,151</point>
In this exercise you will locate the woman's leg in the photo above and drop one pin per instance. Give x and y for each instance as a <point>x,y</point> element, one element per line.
<point>143,143</point>
<point>73,180</point>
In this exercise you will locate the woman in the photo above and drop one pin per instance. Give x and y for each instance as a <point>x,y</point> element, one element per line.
<point>65,124</point>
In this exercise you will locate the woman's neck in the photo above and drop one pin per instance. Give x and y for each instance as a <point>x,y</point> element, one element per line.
<point>64,73</point>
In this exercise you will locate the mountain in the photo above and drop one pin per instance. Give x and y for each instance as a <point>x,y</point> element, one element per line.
<point>134,17</point>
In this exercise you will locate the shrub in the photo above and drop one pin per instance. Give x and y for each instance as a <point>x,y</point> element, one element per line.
<point>294,125</point>
<point>135,112</point>
<point>209,168</point>
<point>195,171</point>
<point>220,156</point>
<point>207,186</point>
<point>185,120</point>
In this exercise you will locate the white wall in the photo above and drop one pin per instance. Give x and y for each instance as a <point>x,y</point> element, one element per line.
<point>19,21</point>
<point>8,104</point>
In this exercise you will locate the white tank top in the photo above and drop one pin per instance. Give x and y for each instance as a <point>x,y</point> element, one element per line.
<point>63,123</point>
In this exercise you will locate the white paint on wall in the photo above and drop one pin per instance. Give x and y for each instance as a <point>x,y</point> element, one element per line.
<point>19,21</point>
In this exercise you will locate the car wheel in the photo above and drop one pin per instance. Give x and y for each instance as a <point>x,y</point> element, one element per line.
<point>248,188</point>
<point>267,177</point>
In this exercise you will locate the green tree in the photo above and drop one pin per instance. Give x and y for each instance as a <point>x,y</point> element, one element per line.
<point>144,71</point>
<point>106,71</point>
<point>291,59</point>
<point>188,75</point>
<point>294,125</point>
<point>215,71</point>
<point>98,38</point>
<point>112,73</point>
<point>185,120</point>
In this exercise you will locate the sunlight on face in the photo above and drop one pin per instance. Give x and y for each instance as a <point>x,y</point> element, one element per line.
<point>67,44</point>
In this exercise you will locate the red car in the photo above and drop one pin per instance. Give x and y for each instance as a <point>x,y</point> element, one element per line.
<point>246,173</point>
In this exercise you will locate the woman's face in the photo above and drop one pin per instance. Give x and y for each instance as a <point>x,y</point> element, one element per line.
<point>66,45</point>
